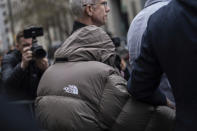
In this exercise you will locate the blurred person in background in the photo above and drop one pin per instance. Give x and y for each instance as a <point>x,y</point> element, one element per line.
<point>21,72</point>
<point>83,91</point>
<point>121,58</point>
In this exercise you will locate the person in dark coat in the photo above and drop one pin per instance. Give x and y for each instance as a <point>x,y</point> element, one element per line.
<point>21,72</point>
<point>134,39</point>
<point>169,45</point>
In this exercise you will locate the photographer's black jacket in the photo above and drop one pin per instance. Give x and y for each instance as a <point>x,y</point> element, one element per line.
<point>19,84</point>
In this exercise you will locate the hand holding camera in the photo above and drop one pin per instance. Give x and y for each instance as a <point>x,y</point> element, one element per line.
<point>26,56</point>
<point>33,32</point>
<point>33,51</point>
<point>42,63</point>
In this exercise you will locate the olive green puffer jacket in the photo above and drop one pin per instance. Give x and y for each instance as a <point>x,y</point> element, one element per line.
<point>83,92</point>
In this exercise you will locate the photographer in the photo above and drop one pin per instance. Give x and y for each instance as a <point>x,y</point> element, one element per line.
<point>21,70</point>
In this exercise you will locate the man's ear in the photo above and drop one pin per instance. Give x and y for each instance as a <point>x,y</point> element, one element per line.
<point>89,10</point>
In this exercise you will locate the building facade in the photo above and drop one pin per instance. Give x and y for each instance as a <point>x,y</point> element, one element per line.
<point>4,26</point>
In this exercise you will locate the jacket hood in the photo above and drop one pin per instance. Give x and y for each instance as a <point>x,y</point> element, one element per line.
<point>150,2</point>
<point>90,43</point>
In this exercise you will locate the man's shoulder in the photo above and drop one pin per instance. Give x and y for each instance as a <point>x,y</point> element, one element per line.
<point>11,55</point>
<point>162,18</point>
<point>144,15</point>
<point>90,32</point>
<point>91,28</point>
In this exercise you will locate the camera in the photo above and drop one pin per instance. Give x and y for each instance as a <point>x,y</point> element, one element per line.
<point>33,32</point>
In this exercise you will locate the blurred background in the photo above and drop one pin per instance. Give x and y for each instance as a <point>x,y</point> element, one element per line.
<point>56,19</point>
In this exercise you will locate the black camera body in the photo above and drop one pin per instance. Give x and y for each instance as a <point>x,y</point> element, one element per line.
<point>33,32</point>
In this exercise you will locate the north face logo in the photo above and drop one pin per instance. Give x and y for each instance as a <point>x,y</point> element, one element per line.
<point>72,89</point>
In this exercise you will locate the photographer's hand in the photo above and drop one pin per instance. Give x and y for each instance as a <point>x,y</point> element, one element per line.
<point>42,64</point>
<point>26,57</point>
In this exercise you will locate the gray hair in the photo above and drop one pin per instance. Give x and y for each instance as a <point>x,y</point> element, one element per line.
<point>77,6</point>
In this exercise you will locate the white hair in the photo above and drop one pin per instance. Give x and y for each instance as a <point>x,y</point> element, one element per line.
<point>77,6</point>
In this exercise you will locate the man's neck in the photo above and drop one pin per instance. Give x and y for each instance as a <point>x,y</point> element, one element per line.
<point>85,21</point>
<point>77,25</point>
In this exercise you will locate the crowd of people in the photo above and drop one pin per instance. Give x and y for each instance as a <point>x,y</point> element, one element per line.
<point>90,86</point>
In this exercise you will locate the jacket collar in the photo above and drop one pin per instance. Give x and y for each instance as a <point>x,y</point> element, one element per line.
<point>77,25</point>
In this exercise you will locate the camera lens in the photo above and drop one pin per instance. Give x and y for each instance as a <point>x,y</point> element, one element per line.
<point>38,52</point>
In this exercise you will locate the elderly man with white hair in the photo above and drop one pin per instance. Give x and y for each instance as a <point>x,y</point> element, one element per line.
<point>89,12</point>
<point>83,91</point>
